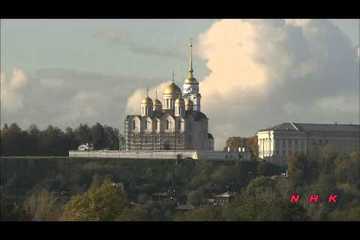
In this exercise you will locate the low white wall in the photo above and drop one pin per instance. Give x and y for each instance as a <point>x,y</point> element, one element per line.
<point>131,154</point>
<point>195,155</point>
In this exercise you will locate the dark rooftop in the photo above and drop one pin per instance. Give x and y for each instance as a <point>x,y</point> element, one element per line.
<point>308,127</point>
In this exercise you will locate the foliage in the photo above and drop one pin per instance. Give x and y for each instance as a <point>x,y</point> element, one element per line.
<point>53,141</point>
<point>42,206</point>
<point>103,203</point>
<point>80,189</point>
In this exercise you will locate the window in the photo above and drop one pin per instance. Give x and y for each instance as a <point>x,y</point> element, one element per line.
<point>146,125</point>
<point>133,124</point>
<point>167,124</point>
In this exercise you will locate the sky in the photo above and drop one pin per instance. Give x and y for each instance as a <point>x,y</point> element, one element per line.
<point>253,73</point>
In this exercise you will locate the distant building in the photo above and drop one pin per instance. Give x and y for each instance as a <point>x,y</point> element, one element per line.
<point>221,199</point>
<point>86,147</point>
<point>278,142</point>
<point>176,123</point>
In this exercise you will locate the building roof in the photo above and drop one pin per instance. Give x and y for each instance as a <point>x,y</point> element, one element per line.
<point>310,127</point>
<point>171,89</point>
<point>225,195</point>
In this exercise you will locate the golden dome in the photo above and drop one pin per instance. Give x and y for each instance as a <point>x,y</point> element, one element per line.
<point>147,100</point>
<point>172,89</point>
<point>191,80</point>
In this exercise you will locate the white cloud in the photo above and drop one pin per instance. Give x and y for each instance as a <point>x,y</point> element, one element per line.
<point>264,72</point>
<point>12,90</point>
<point>52,82</point>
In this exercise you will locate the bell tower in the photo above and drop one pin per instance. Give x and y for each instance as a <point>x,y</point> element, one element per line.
<point>191,85</point>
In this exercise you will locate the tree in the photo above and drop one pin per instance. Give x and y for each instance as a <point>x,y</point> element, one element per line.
<point>196,197</point>
<point>136,213</point>
<point>83,134</point>
<point>301,170</point>
<point>200,214</point>
<point>33,140</point>
<point>52,142</point>
<point>104,203</point>
<point>42,206</point>
<point>12,140</point>
<point>98,136</point>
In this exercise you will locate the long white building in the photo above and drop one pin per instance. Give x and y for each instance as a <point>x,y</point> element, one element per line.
<point>278,142</point>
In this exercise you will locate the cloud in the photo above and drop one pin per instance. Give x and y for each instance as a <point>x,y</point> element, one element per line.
<point>123,38</point>
<point>12,90</point>
<point>67,97</point>
<point>264,72</point>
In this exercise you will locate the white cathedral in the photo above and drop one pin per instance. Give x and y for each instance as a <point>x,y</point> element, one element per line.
<point>176,123</point>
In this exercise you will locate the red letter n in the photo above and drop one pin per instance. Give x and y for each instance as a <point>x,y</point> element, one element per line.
<point>332,198</point>
<point>314,198</point>
<point>294,198</point>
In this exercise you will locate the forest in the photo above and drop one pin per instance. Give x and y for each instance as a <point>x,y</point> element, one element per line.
<point>122,190</point>
<point>53,141</point>
<point>67,189</point>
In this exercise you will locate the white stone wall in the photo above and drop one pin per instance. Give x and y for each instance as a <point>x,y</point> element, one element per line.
<point>195,155</point>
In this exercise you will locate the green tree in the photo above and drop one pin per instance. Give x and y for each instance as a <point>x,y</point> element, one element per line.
<point>98,136</point>
<point>104,203</point>
<point>200,214</point>
<point>42,206</point>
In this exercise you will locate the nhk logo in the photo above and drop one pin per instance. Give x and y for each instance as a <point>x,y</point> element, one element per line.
<point>314,198</point>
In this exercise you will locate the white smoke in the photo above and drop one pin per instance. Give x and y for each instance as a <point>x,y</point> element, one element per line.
<point>264,72</point>
<point>11,90</point>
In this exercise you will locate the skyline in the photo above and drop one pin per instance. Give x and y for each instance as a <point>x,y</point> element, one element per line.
<point>86,71</point>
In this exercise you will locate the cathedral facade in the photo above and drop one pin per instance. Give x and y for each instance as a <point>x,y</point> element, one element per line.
<point>175,123</point>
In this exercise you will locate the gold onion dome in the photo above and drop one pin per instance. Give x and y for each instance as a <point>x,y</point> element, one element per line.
<point>147,100</point>
<point>172,89</point>
<point>191,80</point>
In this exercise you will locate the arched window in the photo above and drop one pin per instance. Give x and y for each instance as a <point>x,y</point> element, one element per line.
<point>133,124</point>
<point>167,124</point>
